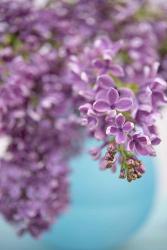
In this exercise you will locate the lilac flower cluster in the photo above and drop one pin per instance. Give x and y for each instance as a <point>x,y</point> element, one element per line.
<point>69,65</point>
<point>116,109</point>
<point>44,135</point>
<point>37,114</point>
<point>39,119</point>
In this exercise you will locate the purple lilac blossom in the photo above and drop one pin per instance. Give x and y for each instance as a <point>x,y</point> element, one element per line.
<point>116,110</point>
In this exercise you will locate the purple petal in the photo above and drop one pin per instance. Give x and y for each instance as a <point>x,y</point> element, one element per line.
<point>160,82</point>
<point>131,145</point>
<point>98,63</point>
<point>112,95</point>
<point>125,92</point>
<point>124,104</point>
<point>91,112</point>
<point>87,94</point>
<point>143,140</point>
<point>158,97</point>
<point>141,150</point>
<point>84,108</point>
<point>153,129</point>
<point>103,43</point>
<point>104,81</point>
<point>111,130</point>
<point>119,120</point>
<point>117,70</point>
<point>155,141</point>
<point>101,106</point>
<point>92,122</point>
<point>120,138</point>
<point>128,126</point>
<point>146,107</point>
<point>145,95</point>
<point>144,117</point>
<point>101,95</point>
<point>99,134</point>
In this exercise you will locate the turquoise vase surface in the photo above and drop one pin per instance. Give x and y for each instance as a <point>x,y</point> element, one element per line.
<point>105,211</point>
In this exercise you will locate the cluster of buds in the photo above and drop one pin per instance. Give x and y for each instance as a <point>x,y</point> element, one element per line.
<point>134,169</point>
<point>131,167</point>
<point>110,155</point>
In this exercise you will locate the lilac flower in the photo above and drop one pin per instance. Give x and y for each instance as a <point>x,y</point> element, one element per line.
<point>141,144</point>
<point>89,116</point>
<point>105,82</point>
<point>158,93</point>
<point>152,132</point>
<point>106,51</point>
<point>38,115</point>
<point>120,129</point>
<point>107,100</point>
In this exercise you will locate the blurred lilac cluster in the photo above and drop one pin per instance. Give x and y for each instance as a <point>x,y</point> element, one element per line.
<point>68,65</point>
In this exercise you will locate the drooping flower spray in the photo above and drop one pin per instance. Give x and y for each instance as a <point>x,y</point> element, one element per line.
<point>118,109</point>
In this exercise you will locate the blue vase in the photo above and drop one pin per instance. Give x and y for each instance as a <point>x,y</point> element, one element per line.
<point>105,211</point>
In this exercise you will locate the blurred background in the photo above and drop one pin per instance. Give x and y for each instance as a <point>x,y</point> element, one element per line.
<point>152,235</point>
